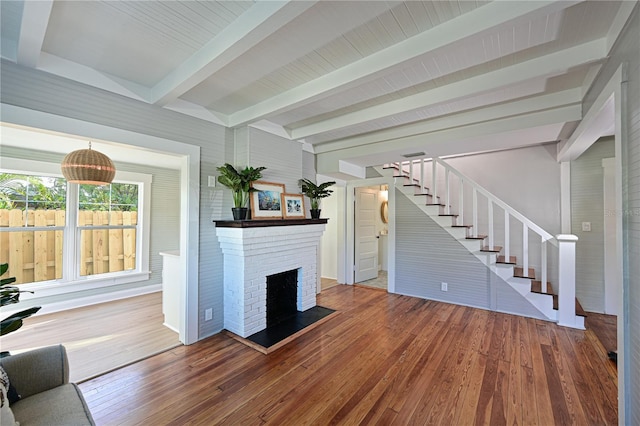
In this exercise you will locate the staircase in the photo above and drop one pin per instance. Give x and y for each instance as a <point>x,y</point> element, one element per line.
<point>429,183</point>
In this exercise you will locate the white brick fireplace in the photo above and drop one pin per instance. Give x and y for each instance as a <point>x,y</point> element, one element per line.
<point>256,249</point>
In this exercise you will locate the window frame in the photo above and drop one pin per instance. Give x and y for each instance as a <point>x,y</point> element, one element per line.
<point>71,280</point>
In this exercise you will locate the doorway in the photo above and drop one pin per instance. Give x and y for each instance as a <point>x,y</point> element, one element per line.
<point>369,233</point>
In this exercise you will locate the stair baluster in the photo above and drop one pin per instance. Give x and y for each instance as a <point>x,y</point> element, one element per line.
<point>525,249</point>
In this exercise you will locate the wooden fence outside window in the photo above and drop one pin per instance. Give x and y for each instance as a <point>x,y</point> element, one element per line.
<point>37,255</point>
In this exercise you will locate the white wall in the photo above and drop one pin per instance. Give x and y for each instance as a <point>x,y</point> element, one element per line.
<point>627,53</point>
<point>330,238</point>
<point>587,205</point>
<point>528,179</point>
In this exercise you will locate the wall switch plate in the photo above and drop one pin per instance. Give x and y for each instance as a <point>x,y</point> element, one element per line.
<point>586,226</point>
<point>211,182</point>
<point>208,314</point>
<point>444,287</point>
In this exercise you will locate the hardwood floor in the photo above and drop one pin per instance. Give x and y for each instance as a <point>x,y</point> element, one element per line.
<point>605,328</point>
<point>384,359</point>
<point>327,283</point>
<point>99,338</point>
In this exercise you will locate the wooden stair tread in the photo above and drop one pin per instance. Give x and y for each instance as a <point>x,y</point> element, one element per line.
<point>510,261</point>
<point>536,287</point>
<point>479,237</point>
<point>518,272</point>
<point>579,310</point>
<point>494,249</point>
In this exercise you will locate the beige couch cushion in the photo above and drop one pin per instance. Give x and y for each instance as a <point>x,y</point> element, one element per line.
<point>62,405</point>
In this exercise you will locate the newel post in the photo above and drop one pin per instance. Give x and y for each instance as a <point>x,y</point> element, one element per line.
<point>567,280</point>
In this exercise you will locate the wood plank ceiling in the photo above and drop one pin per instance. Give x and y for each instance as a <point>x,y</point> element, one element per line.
<point>337,75</point>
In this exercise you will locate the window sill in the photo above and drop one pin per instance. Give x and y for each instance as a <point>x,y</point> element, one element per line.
<point>55,288</point>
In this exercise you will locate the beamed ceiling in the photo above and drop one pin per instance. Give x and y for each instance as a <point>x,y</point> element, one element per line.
<point>362,81</point>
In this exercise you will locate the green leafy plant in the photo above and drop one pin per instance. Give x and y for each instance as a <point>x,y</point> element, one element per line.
<point>239,182</point>
<point>8,295</point>
<point>315,192</point>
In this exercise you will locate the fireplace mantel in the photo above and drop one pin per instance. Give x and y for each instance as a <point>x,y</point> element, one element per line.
<point>267,222</point>
<point>256,249</point>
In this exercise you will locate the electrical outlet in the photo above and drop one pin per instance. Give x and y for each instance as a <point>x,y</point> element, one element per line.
<point>208,314</point>
<point>444,287</point>
<point>586,226</point>
<point>211,182</point>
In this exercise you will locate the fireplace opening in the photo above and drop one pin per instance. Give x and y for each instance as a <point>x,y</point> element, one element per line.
<point>282,292</point>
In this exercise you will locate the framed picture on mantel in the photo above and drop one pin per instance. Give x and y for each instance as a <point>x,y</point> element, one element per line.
<point>293,206</point>
<point>266,202</point>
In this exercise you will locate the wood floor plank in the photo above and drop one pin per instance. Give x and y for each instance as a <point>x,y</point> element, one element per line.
<point>541,395</point>
<point>383,359</point>
<point>514,407</point>
<point>564,369</point>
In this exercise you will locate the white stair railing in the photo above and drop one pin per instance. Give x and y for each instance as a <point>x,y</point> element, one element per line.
<point>418,170</point>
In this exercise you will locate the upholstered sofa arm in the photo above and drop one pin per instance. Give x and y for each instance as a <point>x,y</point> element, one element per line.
<point>37,370</point>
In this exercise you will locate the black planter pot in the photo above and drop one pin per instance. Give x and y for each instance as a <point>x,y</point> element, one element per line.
<point>239,213</point>
<point>315,213</point>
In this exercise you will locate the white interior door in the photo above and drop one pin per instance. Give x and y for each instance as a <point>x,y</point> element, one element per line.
<point>366,235</point>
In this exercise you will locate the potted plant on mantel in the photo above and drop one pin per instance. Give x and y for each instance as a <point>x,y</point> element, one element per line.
<point>315,193</point>
<point>239,182</point>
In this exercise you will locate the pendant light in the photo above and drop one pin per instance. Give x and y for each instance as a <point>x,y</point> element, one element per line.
<point>87,166</point>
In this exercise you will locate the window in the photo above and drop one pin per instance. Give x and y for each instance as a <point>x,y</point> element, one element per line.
<point>32,211</point>
<point>107,221</point>
<point>53,232</point>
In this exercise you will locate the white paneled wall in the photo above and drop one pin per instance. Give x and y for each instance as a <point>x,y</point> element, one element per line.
<point>627,53</point>
<point>281,157</point>
<point>587,205</point>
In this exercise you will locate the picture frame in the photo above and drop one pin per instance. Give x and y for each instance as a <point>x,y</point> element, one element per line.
<point>293,206</point>
<point>266,200</point>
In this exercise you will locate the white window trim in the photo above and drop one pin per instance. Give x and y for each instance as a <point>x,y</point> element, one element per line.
<point>74,282</point>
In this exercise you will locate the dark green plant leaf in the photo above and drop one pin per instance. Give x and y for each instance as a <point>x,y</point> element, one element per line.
<point>6,281</point>
<point>14,322</point>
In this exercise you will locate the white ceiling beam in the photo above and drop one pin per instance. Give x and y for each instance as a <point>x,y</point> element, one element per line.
<point>545,66</point>
<point>194,110</point>
<point>596,121</point>
<point>626,7</point>
<point>35,19</point>
<point>570,97</point>
<point>327,162</point>
<point>467,25</point>
<point>253,26</point>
